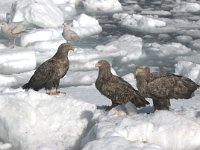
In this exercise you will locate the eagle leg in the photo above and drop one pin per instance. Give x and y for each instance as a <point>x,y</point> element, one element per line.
<point>110,107</point>
<point>53,92</point>
<point>161,104</point>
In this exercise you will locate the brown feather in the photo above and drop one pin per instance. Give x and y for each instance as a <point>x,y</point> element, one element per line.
<point>115,88</point>
<point>163,86</point>
<point>48,74</point>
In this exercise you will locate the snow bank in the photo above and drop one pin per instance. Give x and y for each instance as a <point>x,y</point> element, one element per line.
<point>161,130</point>
<point>42,13</point>
<point>32,120</point>
<point>105,6</point>
<point>188,69</point>
<point>86,26</point>
<point>187,7</point>
<point>16,60</point>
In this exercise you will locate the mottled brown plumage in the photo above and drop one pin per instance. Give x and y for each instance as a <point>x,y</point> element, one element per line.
<point>48,74</point>
<point>162,87</point>
<point>115,88</point>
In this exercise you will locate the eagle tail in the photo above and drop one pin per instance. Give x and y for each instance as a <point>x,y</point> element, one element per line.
<point>139,101</point>
<point>26,86</point>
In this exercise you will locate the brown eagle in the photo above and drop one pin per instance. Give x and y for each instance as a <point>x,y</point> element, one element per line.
<point>115,88</point>
<point>49,73</point>
<point>162,87</point>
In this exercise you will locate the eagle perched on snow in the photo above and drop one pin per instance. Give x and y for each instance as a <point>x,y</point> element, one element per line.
<point>49,73</point>
<point>162,87</point>
<point>116,88</point>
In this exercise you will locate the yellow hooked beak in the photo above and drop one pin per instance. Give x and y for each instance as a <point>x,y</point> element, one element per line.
<point>97,65</point>
<point>72,48</point>
<point>137,71</point>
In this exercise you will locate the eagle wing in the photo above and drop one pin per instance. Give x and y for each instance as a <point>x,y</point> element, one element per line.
<point>44,73</point>
<point>171,86</point>
<point>120,91</point>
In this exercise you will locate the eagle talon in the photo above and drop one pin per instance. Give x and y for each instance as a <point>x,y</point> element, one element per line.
<point>108,108</point>
<point>53,92</point>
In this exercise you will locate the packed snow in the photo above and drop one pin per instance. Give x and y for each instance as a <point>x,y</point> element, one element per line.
<point>162,34</point>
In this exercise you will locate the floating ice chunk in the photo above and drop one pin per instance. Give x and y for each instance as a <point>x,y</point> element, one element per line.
<point>150,24</point>
<point>84,78</point>
<point>42,13</point>
<point>42,121</point>
<point>164,37</point>
<point>159,13</point>
<point>195,44</point>
<point>129,46</point>
<point>40,35</point>
<point>187,7</point>
<point>16,60</point>
<point>68,7</point>
<point>46,46</point>
<point>184,38</point>
<point>193,33</point>
<point>139,20</point>
<point>102,6</point>
<point>188,69</point>
<point>64,1</point>
<point>167,49</point>
<point>86,26</point>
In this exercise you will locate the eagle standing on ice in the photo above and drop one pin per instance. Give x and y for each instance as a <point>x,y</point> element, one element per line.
<point>115,88</point>
<point>49,73</point>
<point>162,87</point>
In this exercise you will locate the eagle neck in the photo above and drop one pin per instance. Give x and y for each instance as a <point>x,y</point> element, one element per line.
<point>61,56</point>
<point>105,73</point>
<point>142,85</point>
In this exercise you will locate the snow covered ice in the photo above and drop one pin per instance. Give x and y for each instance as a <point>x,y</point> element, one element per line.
<point>162,34</point>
